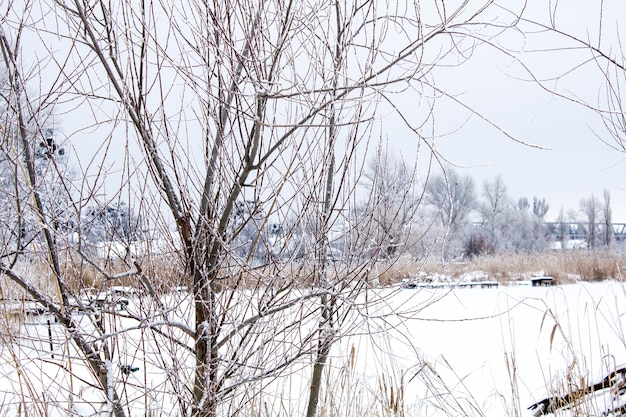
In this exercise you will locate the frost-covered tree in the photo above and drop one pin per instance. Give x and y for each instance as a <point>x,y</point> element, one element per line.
<point>28,138</point>
<point>452,199</point>
<point>388,214</point>
<point>497,213</point>
<point>607,220</point>
<point>528,231</point>
<point>55,176</point>
<point>521,231</point>
<point>562,231</point>
<point>540,210</point>
<point>253,239</point>
<point>110,223</point>
<point>590,208</point>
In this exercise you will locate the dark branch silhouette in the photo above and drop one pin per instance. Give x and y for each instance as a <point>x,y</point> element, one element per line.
<point>616,380</point>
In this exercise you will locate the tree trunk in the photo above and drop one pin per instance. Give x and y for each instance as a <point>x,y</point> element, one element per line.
<point>205,379</point>
<point>316,379</point>
<point>205,395</point>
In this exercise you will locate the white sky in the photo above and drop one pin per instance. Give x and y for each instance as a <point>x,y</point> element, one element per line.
<point>575,163</point>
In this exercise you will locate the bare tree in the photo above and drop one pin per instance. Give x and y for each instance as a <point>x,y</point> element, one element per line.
<point>521,237</point>
<point>540,232</point>
<point>198,107</point>
<point>496,212</point>
<point>20,146</point>
<point>562,229</point>
<point>529,232</point>
<point>453,198</point>
<point>607,220</point>
<point>590,209</point>
<point>390,208</point>
<point>49,161</point>
<point>540,208</point>
<point>263,126</point>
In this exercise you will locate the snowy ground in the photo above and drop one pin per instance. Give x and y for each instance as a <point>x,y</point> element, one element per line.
<point>500,350</point>
<point>464,351</point>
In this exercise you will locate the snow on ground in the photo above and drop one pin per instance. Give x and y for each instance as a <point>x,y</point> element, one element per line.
<point>449,351</point>
<point>499,350</point>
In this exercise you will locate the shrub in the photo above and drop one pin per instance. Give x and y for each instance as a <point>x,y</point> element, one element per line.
<point>478,245</point>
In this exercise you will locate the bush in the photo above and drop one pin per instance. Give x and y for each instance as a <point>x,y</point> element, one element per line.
<point>478,245</point>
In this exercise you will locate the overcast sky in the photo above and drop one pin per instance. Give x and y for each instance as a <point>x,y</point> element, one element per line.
<point>572,165</point>
<point>575,163</point>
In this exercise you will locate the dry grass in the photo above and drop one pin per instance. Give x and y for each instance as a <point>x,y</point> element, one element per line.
<point>166,272</point>
<point>564,266</point>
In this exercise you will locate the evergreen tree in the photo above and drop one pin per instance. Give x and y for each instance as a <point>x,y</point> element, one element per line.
<point>27,131</point>
<point>110,223</point>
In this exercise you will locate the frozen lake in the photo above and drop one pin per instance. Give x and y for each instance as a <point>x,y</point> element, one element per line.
<point>496,351</point>
<point>431,351</point>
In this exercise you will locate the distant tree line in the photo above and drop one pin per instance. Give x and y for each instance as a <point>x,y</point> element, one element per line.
<point>397,216</point>
<point>489,220</point>
<point>450,216</point>
<point>453,217</point>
